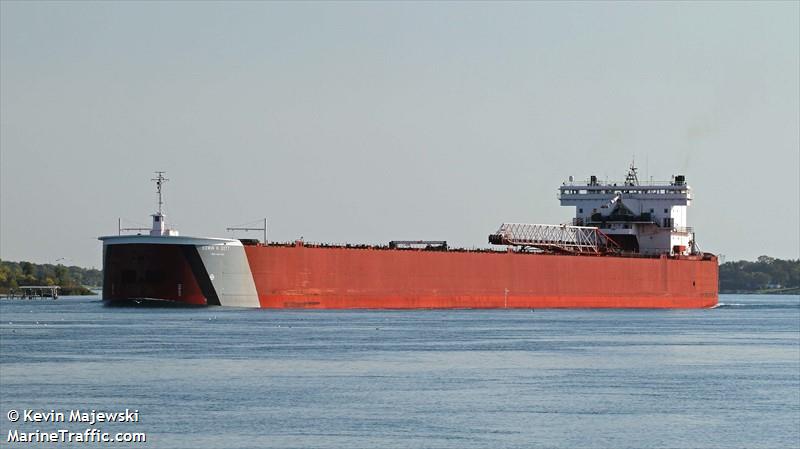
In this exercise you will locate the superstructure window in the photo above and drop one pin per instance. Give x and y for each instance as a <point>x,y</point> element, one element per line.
<point>580,211</point>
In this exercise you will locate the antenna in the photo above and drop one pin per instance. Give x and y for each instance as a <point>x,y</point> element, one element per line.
<point>120,229</point>
<point>250,228</point>
<point>632,179</point>
<point>159,179</point>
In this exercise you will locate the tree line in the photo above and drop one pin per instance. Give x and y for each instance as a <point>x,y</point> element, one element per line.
<point>72,280</point>
<point>766,274</point>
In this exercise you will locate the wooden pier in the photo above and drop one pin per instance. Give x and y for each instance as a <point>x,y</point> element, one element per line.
<point>34,292</point>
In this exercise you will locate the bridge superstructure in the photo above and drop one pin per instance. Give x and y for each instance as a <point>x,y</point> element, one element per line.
<point>642,217</point>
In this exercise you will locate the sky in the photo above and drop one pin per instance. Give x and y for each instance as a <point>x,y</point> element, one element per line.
<point>364,122</point>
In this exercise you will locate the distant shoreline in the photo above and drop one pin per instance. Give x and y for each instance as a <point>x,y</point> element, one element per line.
<point>780,291</point>
<point>72,280</point>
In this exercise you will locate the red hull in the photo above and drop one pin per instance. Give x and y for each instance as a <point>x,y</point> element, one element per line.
<point>319,277</point>
<point>345,278</point>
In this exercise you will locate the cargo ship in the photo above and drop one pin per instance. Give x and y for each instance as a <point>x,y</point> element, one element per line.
<point>628,246</point>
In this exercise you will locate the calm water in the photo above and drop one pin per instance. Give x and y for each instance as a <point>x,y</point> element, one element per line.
<point>224,378</point>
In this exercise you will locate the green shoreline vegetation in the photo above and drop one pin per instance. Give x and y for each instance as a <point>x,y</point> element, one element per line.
<point>765,275</point>
<point>72,280</point>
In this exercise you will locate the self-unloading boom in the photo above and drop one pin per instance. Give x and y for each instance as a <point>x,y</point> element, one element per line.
<point>554,238</point>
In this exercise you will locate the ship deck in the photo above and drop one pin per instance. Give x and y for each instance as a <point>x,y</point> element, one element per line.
<point>505,250</point>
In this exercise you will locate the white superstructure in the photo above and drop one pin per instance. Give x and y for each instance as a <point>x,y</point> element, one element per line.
<point>648,218</point>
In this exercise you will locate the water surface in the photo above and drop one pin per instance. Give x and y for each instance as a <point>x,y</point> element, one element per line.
<point>727,377</point>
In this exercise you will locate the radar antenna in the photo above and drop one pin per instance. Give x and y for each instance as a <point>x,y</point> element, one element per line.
<point>632,179</point>
<point>160,180</point>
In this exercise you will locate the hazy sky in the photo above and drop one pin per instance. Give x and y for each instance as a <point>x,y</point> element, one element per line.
<point>367,122</point>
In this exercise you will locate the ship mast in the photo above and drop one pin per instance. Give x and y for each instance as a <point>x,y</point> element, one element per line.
<point>633,178</point>
<point>159,179</point>
<point>159,224</point>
